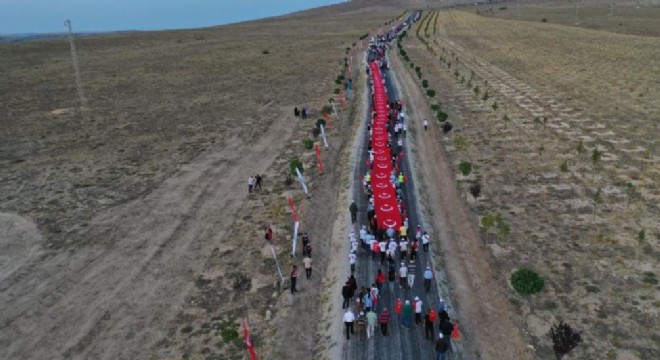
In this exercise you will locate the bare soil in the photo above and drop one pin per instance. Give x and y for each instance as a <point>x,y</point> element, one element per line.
<point>127,230</point>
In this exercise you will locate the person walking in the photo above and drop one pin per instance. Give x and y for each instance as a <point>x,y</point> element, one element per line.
<point>418,310</point>
<point>258,182</point>
<point>307,263</point>
<point>425,241</point>
<point>361,325</point>
<point>346,293</point>
<point>428,277</point>
<point>380,279</point>
<point>294,278</point>
<point>403,275</point>
<point>384,319</point>
<point>429,319</point>
<point>352,259</point>
<point>446,328</point>
<point>407,314</point>
<point>441,347</point>
<point>250,182</point>
<point>412,269</point>
<point>353,209</point>
<point>426,124</point>
<point>371,323</point>
<point>349,318</point>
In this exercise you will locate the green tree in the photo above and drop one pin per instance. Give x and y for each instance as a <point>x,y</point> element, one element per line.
<point>595,157</point>
<point>465,167</point>
<point>580,150</point>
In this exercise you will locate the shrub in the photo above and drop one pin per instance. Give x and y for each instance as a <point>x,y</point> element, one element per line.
<point>487,221</point>
<point>486,96</point>
<point>465,167</point>
<point>494,106</point>
<point>316,132</point>
<point>295,163</point>
<point>418,69</point>
<point>338,82</point>
<point>544,20</point>
<point>412,65</point>
<point>476,90</point>
<point>430,93</point>
<point>442,117</point>
<point>435,107</point>
<point>526,281</point>
<point>308,144</point>
<point>425,83</point>
<point>265,52</point>
<point>327,109</point>
<point>336,91</point>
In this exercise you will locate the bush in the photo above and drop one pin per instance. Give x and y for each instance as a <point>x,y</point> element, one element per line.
<point>337,91</point>
<point>442,117</point>
<point>465,168</point>
<point>327,109</point>
<point>425,83</point>
<point>418,69</point>
<point>295,163</point>
<point>435,107</point>
<point>338,82</point>
<point>564,339</point>
<point>526,281</point>
<point>308,144</point>
<point>430,93</point>
<point>320,122</point>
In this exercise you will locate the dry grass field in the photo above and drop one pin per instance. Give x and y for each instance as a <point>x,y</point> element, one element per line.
<point>126,229</point>
<point>573,217</point>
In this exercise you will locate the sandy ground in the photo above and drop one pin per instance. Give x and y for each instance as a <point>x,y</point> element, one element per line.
<point>484,312</point>
<point>65,305</point>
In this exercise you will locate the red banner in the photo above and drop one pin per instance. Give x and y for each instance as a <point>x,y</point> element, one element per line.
<point>328,121</point>
<point>318,158</point>
<point>293,209</point>
<point>248,342</point>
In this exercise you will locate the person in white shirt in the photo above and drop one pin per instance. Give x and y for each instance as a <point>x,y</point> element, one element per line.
<point>250,182</point>
<point>403,246</point>
<point>349,318</point>
<point>383,251</point>
<point>418,311</point>
<point>403,274</point>
<point>352,259</point>
<point>426,124</point>
<point>425,241</point>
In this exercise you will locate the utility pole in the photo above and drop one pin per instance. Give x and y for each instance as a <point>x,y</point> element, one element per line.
<point>76,69</point>
<point>612,8</point>
<point>576,10</point>
<point>518,8</point>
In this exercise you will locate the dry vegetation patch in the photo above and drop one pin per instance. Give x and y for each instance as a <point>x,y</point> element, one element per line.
<point>564,149</point>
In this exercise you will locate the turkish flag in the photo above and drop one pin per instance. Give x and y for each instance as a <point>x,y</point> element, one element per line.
<point>248,342</point>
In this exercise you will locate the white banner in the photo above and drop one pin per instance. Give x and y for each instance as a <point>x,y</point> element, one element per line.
<point>325,141</point>
<point>296,225</point>
<point>302,179</point>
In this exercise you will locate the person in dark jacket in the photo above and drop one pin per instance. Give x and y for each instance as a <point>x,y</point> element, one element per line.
<point>446,328</point>
<point>354,210</point>
<point>346,293</point>
<point>441,347</point>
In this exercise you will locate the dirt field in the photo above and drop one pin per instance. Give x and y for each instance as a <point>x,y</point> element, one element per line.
<point>126,230</point>
<point>593,87</point>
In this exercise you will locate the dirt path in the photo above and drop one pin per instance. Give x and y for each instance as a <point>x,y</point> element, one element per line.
<point>112,300</point>
<point>484,312</point>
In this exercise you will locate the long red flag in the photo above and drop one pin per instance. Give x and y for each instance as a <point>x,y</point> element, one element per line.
<point>248,341</point>
<point>318,158</point>
<point>293,209</point>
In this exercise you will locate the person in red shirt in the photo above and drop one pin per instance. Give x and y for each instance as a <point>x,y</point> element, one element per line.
<point>384,319</point>
<point>380,279</point>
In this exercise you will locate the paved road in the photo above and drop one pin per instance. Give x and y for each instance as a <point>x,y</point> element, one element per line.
<point>401,343</point>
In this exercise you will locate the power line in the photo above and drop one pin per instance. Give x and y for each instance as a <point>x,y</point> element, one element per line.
<point>76,69</point>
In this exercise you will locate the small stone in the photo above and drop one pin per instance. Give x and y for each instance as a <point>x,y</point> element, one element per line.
<point>268,315</point>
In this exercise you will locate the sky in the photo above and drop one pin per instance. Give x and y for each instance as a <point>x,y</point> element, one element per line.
<point>47,16</point>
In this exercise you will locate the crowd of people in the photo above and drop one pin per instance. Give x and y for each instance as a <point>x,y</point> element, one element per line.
<point>399,254</point>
